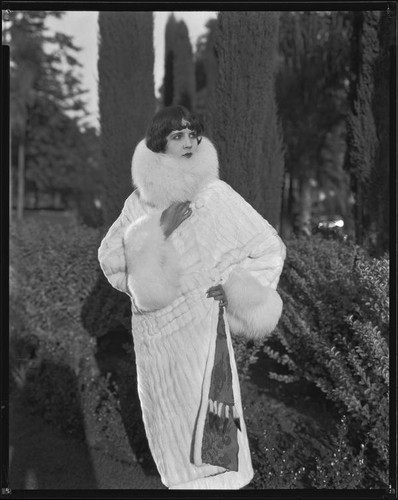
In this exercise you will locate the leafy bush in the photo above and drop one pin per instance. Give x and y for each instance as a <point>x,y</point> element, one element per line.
<point>54,360</point>
<point>333,332</point>
<point>55,270</point>
<point>292,451</point>
<point>246,355</point>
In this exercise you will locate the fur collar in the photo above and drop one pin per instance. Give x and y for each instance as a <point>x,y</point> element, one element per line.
<point>163,180</point>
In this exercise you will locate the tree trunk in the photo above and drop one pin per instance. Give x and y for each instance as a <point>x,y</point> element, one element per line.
<point>306,207</point>
<point>21,177</point>
<point>302,225</point>
<point>286,222</point>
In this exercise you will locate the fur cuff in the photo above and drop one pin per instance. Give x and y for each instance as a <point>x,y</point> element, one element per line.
<point>253,310</point>
<point>153,271</point>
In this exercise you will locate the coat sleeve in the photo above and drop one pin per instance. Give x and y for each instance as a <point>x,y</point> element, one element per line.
<point>137,259</point>
<point>254,305</point>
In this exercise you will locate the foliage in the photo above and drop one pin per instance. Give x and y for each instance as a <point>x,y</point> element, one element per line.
<point>38,66</point>
<point>87,386</point>
<point>311,87</point>
<point>245,123</point>
<point>57,152</point>
<point>54,362</point>
<point>333,332</point>
<point>179,79</point>
<point>341,467</point>
<point>367,158</point>
<point>313,58</point>
<point>246,355</point>
<point>379,193</point>
<point>87,190</point>
<point>293,451</point>
<point>47,108</point>
<point>54,276</point>
<point>206,74</point>
<point>126,99</point>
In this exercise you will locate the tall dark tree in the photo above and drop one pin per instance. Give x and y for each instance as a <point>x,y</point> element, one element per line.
<point>245,123</point>
<point>368,124</point>
<point>126,98</point>
<point>312,78</point>
<point>206,72</point>
<point>179,78</point>
<point>383,106</point>
<point>361,126</point>
<point>168,79</point>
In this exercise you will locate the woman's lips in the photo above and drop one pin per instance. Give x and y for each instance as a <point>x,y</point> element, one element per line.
<point>188,155</point>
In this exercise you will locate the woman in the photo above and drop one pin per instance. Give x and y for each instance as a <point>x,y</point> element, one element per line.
<point>198,263</point>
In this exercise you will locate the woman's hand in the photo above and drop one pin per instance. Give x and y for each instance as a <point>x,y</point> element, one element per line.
<point>173,216</point>
<point>218,293</point>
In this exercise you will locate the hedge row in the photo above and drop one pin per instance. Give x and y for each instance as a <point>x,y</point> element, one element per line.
<point>72,357</point>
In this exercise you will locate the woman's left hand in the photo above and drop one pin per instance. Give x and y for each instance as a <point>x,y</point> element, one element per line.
<point>218,293</point>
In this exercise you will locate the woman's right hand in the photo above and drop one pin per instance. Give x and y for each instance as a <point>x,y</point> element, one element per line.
<point>173,216</point>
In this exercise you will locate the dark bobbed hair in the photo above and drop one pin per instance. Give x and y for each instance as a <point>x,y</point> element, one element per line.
<point>165,121</point>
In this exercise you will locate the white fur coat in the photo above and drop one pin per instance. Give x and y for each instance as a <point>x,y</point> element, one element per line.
<point>225,241</point>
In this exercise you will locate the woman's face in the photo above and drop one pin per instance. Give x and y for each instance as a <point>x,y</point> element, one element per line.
<point>182,143</point>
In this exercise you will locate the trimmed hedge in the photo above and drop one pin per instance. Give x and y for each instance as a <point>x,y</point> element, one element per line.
<point>59,364</point>
<point>72,357</point>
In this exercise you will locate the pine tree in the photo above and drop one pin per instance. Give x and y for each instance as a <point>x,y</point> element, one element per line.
<point>179,78</point>
<point>367,158</point>
<point>126,99</point>
<point>39,81</point>
<point>245,123</point>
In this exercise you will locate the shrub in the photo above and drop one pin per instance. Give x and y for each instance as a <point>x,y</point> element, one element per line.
<point>340,467</point>
<point>54,360</point>
<point>246,355</point>
<point>333,332</point>
<point>56,269</point>
<point>51,271</point>
<point>292,451</point>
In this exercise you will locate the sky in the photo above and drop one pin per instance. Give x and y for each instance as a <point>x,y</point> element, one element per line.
<point>83,27</point>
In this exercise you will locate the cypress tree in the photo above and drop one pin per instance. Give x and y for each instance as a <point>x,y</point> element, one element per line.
<point>179,79</point>
<point>206,73</point>
<point>367,128</point>
<point>245,124</point>
<point>379,201</point>
<point>311,92</point>
<point>168,80</point>
<point>126,105</point>
<point>126,99</point>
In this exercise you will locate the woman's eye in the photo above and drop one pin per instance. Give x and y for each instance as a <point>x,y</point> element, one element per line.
<point>178,136</point>
<point>192,135</point>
